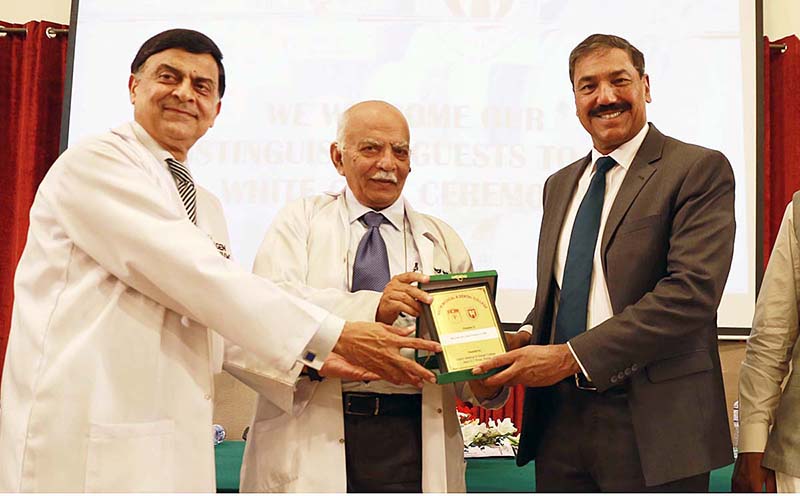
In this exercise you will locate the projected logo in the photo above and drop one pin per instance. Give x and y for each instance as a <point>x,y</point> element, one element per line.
<point>486,28</point>
<point>480,9</point>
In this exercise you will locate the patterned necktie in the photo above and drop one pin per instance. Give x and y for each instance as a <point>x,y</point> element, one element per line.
<point>185,184</point>
<point>371,266</point>
<point>574,299</point>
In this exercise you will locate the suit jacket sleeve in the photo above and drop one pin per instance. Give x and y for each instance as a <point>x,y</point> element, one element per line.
<point>685,299</point>
<point>772,340</point>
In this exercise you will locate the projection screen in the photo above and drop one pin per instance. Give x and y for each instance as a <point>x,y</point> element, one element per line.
<point>483,83</point>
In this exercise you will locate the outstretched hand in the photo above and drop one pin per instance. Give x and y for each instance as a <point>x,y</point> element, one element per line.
<point>336,366</point>
<point>533,366</point>
<point>376,348</point>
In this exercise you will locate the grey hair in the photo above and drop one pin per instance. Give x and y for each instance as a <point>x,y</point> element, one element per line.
<point>344,120</point>
<point>341,129</point>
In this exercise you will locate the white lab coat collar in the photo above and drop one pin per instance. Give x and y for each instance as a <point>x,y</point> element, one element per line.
<point>424,238</point>
<point>394,213</point>
<point>152,145</point>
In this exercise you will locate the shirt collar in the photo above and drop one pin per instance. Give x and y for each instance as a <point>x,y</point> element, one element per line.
<point>151,144</point>
<point>626,152</point>
<point>394,213</point>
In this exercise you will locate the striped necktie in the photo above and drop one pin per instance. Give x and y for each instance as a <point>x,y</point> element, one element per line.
<point>185,184</point>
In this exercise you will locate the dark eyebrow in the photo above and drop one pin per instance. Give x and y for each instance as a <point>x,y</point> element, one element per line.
<point>611,75</point>
<point>585,79</point>
<point>168,67</point>
<point>175,70</point>
<point>621,72</point>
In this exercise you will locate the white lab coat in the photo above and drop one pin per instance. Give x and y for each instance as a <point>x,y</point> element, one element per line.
<point>108,377</point>
<point>305,252</point>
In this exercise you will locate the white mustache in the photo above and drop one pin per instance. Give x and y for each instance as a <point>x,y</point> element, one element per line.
<point>382,175</point>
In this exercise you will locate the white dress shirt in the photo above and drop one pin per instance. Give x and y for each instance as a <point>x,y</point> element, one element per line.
<point>599,309</point>
<point>403,257</point>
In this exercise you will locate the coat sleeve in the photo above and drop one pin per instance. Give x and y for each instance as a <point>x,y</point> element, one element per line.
<point>772,340</point>
<point>283,258</point>
<point>684,300</point>
<point>113,211</point>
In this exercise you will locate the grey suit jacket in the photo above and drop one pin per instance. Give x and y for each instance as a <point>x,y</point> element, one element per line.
<point>666,251</point>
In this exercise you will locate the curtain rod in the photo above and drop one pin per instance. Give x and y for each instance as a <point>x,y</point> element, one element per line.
<point>779,46</point>
<point>50,32</point>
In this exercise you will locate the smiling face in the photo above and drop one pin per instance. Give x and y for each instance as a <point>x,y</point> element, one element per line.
<point>176,98</point>
<point>610,97</point>
<point>374,157</point>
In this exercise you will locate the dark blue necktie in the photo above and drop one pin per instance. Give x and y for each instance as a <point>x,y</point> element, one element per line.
<point>574,299</point>
<point>371,266</point>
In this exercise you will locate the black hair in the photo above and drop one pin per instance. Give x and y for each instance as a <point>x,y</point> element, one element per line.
<point>185,39</point>
<point>601,41</point>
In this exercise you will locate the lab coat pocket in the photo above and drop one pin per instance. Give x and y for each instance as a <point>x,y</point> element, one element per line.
<point>130,458</point>
<point>277,469</point>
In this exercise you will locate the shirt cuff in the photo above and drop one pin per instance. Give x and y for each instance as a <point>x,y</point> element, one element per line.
<point>753,437</point>
<point>579,361</point>
<point>323,342</point>
<point>526,328</point>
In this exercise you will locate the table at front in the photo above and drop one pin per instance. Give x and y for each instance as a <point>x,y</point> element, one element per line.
<point>484,475</point>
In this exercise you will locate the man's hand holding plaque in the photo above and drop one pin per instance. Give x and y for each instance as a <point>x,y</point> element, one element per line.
<point>462,317</point>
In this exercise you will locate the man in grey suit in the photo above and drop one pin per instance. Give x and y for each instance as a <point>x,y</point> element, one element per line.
<point>625,389</point>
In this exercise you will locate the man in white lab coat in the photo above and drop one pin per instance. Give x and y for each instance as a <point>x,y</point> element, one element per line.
<point>348,435</point>
<point>107,384</point>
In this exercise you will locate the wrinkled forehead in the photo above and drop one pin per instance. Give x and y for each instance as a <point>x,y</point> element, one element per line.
<point>604,60</point>
<point>377,122</point>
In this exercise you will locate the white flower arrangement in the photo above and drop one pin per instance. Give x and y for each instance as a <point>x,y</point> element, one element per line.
<point>495,438</point>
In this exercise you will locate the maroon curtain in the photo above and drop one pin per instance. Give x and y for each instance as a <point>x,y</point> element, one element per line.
<point>781,133</point>
<point>32,72</point>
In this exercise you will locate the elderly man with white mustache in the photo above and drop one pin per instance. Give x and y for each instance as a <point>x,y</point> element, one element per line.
<point>357,253</point>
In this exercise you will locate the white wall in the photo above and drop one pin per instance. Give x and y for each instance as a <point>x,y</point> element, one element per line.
<point>781,18</point>
<point>22,11</point>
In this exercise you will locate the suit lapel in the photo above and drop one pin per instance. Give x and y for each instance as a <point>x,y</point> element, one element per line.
<point>638,175</point>
<point>556,208</point>
<point>560,190</point>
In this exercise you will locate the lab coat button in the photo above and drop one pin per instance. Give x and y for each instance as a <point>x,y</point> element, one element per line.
<point>438,410</point>
<point>207,397</point>
<point>341,441</point>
